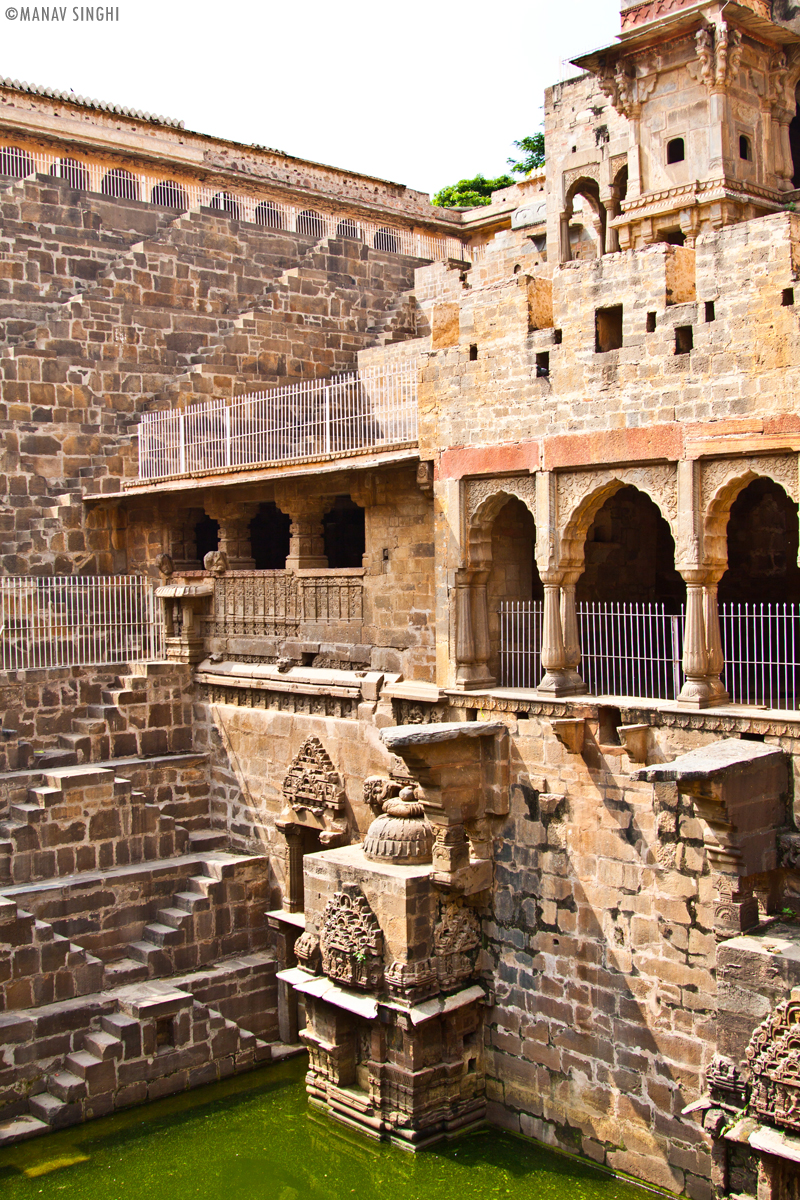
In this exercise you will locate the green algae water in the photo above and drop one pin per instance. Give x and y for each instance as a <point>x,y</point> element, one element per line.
<point>255,1138</point>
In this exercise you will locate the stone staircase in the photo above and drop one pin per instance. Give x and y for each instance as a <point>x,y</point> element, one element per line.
<point>158,1042</point>
<point>83,818</point>
<point>197,928</point>
<point>38,965</point>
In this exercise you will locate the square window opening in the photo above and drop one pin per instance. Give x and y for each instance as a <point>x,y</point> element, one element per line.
<point>745,149</point>
<point>542,364</point>
<point>650,324</point>
<point>676,150</point>
<point>711,311</point>
<point>473,353</point>
<point>557,337</point>
<point>684,339</point>
<point>787,297</point>
<point>608,329</point>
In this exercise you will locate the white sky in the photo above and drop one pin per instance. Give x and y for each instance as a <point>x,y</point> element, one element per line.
<point>423,93</point>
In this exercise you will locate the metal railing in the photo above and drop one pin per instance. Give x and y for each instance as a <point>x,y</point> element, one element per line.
<point>626,649</point>
<point>636,650</point>
<point>316,419</point>
<point>761,644</point>
<point>279,603</point>
<point>185,195</point>
<point>76,622</point>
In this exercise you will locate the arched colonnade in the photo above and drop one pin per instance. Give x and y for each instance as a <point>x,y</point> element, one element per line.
<point>693,499</point>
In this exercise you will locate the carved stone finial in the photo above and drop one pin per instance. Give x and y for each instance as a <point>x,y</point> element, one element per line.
<point>401,833</point>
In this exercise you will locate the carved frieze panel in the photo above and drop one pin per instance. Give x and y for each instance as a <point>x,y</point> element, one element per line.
<point>659,481</point>
<point>415,712</point>
<point>312,782</point>
<point>299,704</point>
<point>773,1056</point>
<point>719,474</point>
<point>350,941</point>
<point>456,940</point>
<point>480,490</point>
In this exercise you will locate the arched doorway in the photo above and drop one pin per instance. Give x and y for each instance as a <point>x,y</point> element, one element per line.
<point>269,538</point>
<point>630,600</point>
<point>206,537</point>
<point>583,198</point>
<point>762,547</point>
<point>344,532</point>
<point>514,597</point>
<point>629,555</point>
<point>759,598</point>
<point>794,139</point>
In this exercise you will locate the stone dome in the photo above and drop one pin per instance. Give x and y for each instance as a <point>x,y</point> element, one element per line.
<point>402,832</point>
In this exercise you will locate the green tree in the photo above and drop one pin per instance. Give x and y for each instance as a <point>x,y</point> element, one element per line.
<point>470,193</point>
<point>532,159</point>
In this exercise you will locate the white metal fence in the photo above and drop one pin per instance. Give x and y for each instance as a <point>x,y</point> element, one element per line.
<point>761,644</point>
<point>312,420</point>
<point>626,649</point>
<point>636,650</point>
<point>71,621</point>
<point>183,195</point>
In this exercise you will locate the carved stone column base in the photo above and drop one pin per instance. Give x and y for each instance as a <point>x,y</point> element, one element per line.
<point>703,693</point>
<point>562,683</point>
<point>184,650</point>
<point>307,562</point>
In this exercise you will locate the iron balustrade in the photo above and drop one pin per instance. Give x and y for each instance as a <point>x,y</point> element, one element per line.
<point>183,195</point>
<point>637,649</point>
<point>70,621</point>
<point>315,419</point>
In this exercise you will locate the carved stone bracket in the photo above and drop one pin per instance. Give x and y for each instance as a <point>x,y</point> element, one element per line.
<point>738,792</point>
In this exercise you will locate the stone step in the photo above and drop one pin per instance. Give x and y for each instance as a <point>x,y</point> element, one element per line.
<point>44,796</point>
<point>82,1063</point>
<point>154,957</point>
<point>46,760</point>
<point>207,839</point>
<point>163,935</point>
<point>26,814</point>
<point>66,1086</point>
<point>109,714</point>
<point>191,902</point>
<point>20,1129</point>
<point>124,971</point>
<point>89,725</point>
<point>56,1113</point>
<point>68,778</point>
<point>174,917</point>
<point>103,1045</point>
<point>81,743</point>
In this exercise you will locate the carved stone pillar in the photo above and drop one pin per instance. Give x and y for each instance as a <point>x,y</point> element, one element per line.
<point>472,631</point>
<point>612,237</point>
<point>696,691</point>
<point>569,628</point>
<point>306,543</point>
<point>558,679</point>
<point>565,246</point>
<point>234,532</point>
<point>716,656</point>
<point>702,647</point>
<point>293,898</point>
<point>184,641</point>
